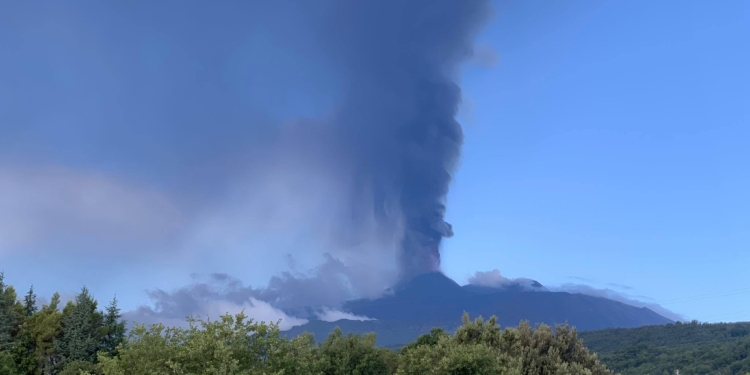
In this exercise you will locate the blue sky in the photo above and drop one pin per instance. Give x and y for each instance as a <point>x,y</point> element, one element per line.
<point>610,143</point>
<point>607,146</point>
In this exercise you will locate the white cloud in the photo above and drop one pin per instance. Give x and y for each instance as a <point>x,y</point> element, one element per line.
<point>256,309</point>
<point>492,279</point>
<point>331,315</point>
<point>259,311</point>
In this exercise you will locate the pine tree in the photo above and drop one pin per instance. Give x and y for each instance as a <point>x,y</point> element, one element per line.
<point>80,336</point>
<point>5,330</point>
<point>10,314</point>
<point>45,327</point>
<point>5,319</point>
<point>29,302</point>
<point>114,328</point>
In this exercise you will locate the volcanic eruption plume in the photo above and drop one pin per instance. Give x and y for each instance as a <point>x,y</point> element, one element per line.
<point>224,137</point>
<point>401,61</point>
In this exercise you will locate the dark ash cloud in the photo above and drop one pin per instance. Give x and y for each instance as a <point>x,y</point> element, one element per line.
<point>323,129</point>
<point>193,114</point>
<point>397,122</point>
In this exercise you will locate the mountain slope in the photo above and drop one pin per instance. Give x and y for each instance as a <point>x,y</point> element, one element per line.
<point>434,300</point>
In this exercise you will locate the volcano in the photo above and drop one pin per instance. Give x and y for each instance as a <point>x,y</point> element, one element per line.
<point>434,300</point>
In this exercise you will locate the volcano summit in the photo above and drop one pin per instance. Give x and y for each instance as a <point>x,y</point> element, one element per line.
<point>434,300</point>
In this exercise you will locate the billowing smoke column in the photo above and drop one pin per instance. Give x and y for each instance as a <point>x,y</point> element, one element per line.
<point>401,58</point>
<point>222,105</point>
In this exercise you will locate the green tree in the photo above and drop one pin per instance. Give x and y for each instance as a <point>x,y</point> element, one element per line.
<point>149,351</point>
<point>29,302</point>
<point>8,364</point>
<point>232,345</point>
<point>478,347</point>
<point>353,354</point>
<point>40,332</point>
<point>448,357</point>
<point>481,347</point>
<point>11,315</point>
<point>80,331</point>
<point>429,339</point>
<point>114,328</point>
<point>6,329</point>
<point>79,367</point>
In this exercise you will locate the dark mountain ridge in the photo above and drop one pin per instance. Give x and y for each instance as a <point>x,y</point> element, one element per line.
<point>434,300</point>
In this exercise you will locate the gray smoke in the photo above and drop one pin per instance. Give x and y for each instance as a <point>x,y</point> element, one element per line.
<point>189,127</point>
<point>398,122</point>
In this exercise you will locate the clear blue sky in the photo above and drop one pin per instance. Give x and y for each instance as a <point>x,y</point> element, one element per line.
<point>609,143</point>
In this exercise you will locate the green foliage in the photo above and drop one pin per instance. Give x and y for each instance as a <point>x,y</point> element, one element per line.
<point>691,348</point>
<point>79,367</point>
<point>29,303</point>
<point>8,365</point>
<point>353,354</point>
<point>448,357</point>
<point>113,331</point>
<point>670,335</point>
<point>729,358</point>
<point>429,339</point>
<point>81,330</point>
<point>41,330</point>
<point>11,315</point>
<point>233,345</point>
<point>494,351</point>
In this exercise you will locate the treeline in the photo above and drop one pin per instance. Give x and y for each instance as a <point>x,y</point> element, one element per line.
<point>50,340</point>
<point>691,348</point>
<point>81,340</point>
<point>670,335</point>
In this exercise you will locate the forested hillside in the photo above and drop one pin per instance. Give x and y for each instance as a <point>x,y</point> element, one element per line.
<point>691,348</point>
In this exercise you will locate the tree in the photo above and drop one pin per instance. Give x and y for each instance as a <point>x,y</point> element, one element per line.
<point>353,354</point>
<point>477,347</point>
<point>79,367</point>
<point>449,357</point>
<point>481,347</point>
<point>430,339</point>
<point>6,329</point>
<point>11,315</point>
<point>29,302</point>
<point>8,364</point>
<point>42,330</point>
<point>114,328</point>
<point>81,330</point>
<point>147,351</point>
<point>233,345</point>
